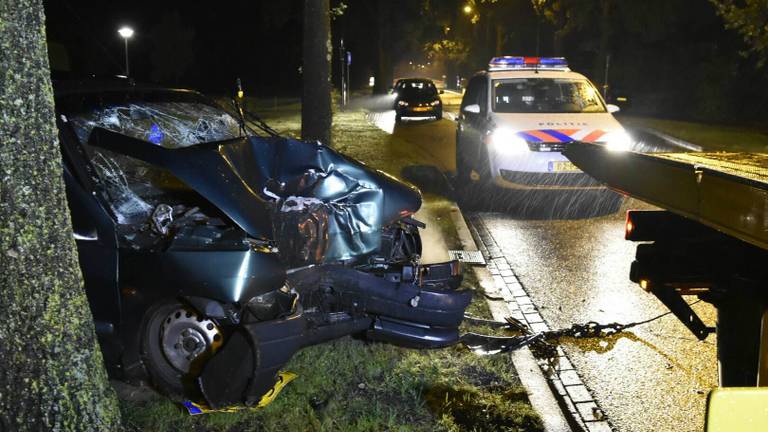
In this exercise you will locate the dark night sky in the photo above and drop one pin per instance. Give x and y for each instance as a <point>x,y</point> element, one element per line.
<point>681,64</point>
<point>188,43</point>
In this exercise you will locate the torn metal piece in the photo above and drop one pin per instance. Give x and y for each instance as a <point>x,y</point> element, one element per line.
<point>490,345</point>
<point>510,323</point>
<point>162,218</point>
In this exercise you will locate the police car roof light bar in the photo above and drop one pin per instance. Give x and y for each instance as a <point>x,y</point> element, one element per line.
<point>519,62</point>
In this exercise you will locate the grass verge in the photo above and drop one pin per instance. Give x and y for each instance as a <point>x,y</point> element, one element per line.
<point>711,137</point>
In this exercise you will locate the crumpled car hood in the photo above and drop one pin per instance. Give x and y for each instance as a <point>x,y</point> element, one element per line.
<point>253,180</point>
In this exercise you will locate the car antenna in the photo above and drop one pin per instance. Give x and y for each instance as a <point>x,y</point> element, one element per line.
<point>237,102</point>
<point>243,114</point>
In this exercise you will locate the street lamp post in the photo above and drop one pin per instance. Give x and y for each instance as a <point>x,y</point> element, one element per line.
<point>126,33</point>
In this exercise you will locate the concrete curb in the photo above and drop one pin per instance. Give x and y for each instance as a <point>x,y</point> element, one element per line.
<point>576,400</point>
<point>540,394</point>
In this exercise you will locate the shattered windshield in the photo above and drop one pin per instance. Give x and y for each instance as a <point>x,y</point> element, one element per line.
<point>545,95</point>
<point>169,124</point>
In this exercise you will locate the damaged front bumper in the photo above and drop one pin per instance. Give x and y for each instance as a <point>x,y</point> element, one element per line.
<point>247,366</point>
<point>424,312</point>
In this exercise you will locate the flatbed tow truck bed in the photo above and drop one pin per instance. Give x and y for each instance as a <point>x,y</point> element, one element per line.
<point>711,241</point>
<point>725,191</point>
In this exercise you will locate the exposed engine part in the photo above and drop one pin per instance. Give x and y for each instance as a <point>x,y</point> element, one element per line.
<point>188,339</point>
<point>273,305</point>
<point>162,218</point>
<point>401,242</point>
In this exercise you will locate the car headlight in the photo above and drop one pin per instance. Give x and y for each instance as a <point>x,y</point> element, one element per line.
<point>618,141</point>
<point>435,103</point>
<point>506,141</point>
<point>402,103</point>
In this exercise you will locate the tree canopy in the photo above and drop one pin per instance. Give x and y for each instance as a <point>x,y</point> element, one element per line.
<point>750,19</point>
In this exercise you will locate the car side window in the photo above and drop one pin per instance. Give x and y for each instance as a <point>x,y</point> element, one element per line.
<point>482,94</point>
<point>470,97</point>
<point>475,94</point>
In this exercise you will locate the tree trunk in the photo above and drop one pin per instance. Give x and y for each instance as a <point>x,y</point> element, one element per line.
<point>384,73</point>
<point>52,374</point>
<point>316,114</point>
<point>603,47</point>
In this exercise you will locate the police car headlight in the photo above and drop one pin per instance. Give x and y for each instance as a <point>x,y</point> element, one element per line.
<point>506,141</point>
<point>435,103</point>
<point>618,141</point>
<point>402,103</point>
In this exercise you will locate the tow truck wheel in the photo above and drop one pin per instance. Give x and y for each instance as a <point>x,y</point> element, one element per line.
<point>176,343</point>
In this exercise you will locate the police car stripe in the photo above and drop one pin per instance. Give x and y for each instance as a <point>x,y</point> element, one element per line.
<point>526,136</point>
<point>542,135</point>
<point>594,136</point>
<point>558,135</point>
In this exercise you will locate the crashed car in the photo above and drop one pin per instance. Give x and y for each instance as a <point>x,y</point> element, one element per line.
<point>213,249</point>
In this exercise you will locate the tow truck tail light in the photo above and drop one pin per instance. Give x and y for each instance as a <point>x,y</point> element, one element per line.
<point>645,284</point>
<point>629,227</point>
<point>652,225</point>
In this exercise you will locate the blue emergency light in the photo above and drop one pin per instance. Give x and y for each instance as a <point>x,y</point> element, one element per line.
<point>517,63</point>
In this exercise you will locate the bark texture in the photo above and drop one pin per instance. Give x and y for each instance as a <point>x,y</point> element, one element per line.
<point>316,114</point>
<point>52,376</point>
<point>384,69</point>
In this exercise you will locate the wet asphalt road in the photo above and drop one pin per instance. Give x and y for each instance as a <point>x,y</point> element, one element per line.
<point>654,377</point>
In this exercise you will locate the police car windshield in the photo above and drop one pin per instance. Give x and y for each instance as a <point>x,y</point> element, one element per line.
<point>545,95</point>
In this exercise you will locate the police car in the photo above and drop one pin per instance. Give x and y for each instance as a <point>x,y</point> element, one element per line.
<point>518,116</point>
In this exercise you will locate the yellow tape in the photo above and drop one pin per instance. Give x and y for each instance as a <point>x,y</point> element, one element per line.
<point>283,378</point>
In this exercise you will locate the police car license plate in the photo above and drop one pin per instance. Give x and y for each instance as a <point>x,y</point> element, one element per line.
<point>420,109</point>
<point>561,166</point>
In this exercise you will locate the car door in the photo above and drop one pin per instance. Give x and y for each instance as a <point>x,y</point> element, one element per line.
<point>94,232</point>
<point>473,123</point>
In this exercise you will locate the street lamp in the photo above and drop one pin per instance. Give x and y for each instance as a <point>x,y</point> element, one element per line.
<point>126,33</point>
<point>468,9</point>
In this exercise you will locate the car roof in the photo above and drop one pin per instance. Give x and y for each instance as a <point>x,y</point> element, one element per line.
<point>427,80</point>
<point>93,85</point>
<point>530,73</point>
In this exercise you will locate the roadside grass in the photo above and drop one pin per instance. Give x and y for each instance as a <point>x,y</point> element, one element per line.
<point>354,385</point>
<point>711,137</point>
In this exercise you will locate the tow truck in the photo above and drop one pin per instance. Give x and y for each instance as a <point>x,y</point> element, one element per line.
<point>709,239</point>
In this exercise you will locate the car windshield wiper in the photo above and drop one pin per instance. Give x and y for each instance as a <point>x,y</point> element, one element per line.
<point>259,123</point>
<point>243,114</point>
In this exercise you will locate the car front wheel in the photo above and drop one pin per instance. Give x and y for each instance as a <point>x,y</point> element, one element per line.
<point>176,343</point>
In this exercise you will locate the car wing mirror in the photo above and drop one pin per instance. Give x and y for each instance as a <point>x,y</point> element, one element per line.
<point>613,108</point>
<point>472,109</point>
<point>441,91</point>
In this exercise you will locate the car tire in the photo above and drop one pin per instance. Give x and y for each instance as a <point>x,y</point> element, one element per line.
<point>398,118</point>
<point>167,378</point>
<point>463,168</point>
<point>439,115</point>
<point>471,191</point>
